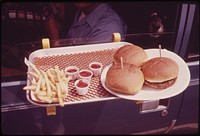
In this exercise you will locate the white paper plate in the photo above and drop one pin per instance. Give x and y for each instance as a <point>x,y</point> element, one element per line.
<point>147,93</point>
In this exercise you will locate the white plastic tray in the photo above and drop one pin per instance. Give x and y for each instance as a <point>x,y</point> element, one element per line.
<point>70,50</point>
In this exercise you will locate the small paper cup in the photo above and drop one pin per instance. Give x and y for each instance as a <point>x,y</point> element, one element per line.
<point>72,71</point>
<point>96,68</point>
<point>85,74</point>
<point>82,86</point>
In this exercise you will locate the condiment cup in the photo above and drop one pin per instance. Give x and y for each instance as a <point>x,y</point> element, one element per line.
<point>72,71</point>
<point>82,86</point>
<point>96,68</point>
<point>85,74</point>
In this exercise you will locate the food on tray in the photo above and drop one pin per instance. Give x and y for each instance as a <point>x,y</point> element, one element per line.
<point>85,74</point>
<point>127,80</point>
<point>160,72</point>
<point>72,71</point>
<point>96,68</point>
<point>82,86</point>
<point>131,54</point>
<point>48,86</point>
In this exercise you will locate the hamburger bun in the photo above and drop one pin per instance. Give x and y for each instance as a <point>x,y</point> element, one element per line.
<point>160,72</point>
<point>131,54</point>
<point>128,80</point>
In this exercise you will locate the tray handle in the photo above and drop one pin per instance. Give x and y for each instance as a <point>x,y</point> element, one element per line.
<point>116,37</point>
<point>45,43</point>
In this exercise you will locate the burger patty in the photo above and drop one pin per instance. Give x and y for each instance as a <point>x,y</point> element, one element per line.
<point>161,85</point>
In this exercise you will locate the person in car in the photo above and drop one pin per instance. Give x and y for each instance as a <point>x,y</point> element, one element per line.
<point>93,22</point>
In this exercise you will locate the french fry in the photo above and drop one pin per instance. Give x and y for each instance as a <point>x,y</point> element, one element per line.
<point>64,95</point>
<point>59,78</point>
<point>58,90</point>
<point>52,85</point>
<point>61,102</point>
<point>52,71</point>
<point>65,87</point>
<point>33,74</point>
<point>54,99</point>
<point>44,98</point>
<point>66,79</point>
<point>30,88</point>
<point>53,95</point>
<point>62,86</point>
<point>33,81</point>
<point>42,93</point>
<point>49,93</point>
<point>48,86</point>
<point>44,89</point>
<point>38,84</point>
<point>43,84</point>
<point>34,68</point>
<point>50,75</point>
<point>59,95</point>
<point>62,74</point>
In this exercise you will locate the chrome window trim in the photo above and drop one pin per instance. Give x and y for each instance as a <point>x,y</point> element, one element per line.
<point>188,29</point>
<point>13,83</point>
<point>181,28</point>
<point>193,63</point>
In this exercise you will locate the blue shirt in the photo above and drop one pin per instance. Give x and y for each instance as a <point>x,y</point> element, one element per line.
<point>99,25</point>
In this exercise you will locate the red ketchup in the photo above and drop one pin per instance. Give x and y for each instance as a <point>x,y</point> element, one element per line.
<point>95,66</point>
<point>72,70</point>
<point>81,84</point>
<point>85,74</point>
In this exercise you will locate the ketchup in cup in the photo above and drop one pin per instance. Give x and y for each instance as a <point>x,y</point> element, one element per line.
<point>96,68</point>
<point>72,71</point>
<point>82,86</point>
<point>85,74</point>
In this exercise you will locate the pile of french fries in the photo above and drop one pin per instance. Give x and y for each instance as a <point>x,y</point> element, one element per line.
<point>48,86</point>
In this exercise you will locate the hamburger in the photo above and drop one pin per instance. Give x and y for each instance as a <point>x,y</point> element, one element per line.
<point>131,54</point>
<point>128,80</point>
<point>160,72</point>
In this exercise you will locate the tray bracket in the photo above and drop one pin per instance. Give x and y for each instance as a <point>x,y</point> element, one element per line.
<point>154,106</point>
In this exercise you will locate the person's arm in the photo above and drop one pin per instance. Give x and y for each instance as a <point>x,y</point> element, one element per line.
<point>54,24</point>
<point>53,29</point>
